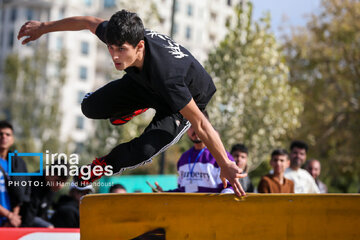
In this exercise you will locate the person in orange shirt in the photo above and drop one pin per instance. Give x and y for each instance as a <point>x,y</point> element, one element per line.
<point>276,182</point>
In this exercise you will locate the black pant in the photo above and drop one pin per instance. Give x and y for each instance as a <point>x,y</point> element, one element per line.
<point>122,97</point>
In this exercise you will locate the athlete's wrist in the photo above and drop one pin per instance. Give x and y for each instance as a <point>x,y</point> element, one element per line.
<point>43,28</point>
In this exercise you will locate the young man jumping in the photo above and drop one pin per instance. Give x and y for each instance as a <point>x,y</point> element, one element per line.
<point>160,74</point>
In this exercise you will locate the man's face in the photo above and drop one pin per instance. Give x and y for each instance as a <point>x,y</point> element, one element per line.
<point>314,169</point>
<point>297,157</point>
<point>193,136</point>
<point>240,159</point>
<point>279,163</point>
<point>6,138</point>
<point>123,56</point>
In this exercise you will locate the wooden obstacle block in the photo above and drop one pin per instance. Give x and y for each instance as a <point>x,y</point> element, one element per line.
<point>220,216</point>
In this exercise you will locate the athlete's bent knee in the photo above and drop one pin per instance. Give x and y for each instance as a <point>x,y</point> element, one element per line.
<point>86,109</point>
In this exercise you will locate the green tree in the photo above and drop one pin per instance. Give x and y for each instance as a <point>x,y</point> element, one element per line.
<point>31,100</point>
<point>324,58</point>
<point>254,103</point>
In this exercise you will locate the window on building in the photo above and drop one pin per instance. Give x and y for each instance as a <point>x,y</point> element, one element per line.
<point>81,95</point>
<point>188,32</point>
<point>88,3</point>
<point>61,13</point>
<point>84,48</point>
<point>80,122</point>
<point>190,10</point>
<point>83,73</point>
<point>79,148</point>
<point>11,39</point>
<point>29,14</point>
<point>213,16</point>
<point>212,37</point>
<point>109,3</point>
<point>229,2</point>
<point>59,43</point>
<point>13,14</point>
<point>176,29</point>
<point>177,6</point>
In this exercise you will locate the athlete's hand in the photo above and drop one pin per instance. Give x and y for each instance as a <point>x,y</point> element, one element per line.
<point>232,173</point>
<point>31,30</point>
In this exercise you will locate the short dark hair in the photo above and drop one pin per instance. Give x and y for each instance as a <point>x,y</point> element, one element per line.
<point>280,151</point>
<point>299,144</point>
<point>6,124</point>
<point>239,147</point>
<point>116,186</point>
<point>124,26</point>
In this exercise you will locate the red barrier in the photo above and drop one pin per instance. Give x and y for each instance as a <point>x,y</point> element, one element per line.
<point>39,233</point>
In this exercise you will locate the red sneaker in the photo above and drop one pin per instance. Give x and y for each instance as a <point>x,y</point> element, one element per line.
<point>124,119</point>
<point>80,180</point>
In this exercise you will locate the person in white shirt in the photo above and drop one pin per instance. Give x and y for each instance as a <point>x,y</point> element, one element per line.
<point>314,168</point>
<point>304,182</point>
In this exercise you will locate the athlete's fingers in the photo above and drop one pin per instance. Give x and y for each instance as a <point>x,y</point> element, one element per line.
<point>22,30</point>
<point>241,175</point>
<point>224,182</point>
<point>236,190</point>
<point>240,189</point>
<point>26,40</point>
<point>21,34</point>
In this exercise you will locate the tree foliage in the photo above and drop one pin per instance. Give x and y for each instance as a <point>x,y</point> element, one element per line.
<point>324,59</point>
<point>254,103</point>
<point>31,99</point>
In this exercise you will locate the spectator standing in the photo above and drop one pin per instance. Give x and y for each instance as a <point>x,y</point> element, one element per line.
<point>276,182</point>
<point>11,197</point>
<point>314,168</point>
<point>304,182</point>
<point>240,154</point>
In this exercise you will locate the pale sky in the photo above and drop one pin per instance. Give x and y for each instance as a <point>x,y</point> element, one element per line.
<point>285,12</point>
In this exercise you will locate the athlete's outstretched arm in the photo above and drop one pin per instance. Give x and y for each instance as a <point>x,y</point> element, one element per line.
<point>32,30</point>
<point>205,131</point>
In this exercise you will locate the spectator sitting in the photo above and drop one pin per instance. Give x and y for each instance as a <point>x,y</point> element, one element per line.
<point>67,208</point>
<point>198,170</point>
<point>11,197</point>
<point>276,182</point>
<point>314,168</point>
<point>34,213</point>
<point>117,188</point>
<point>303,181</point>
<point>240,154</point>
